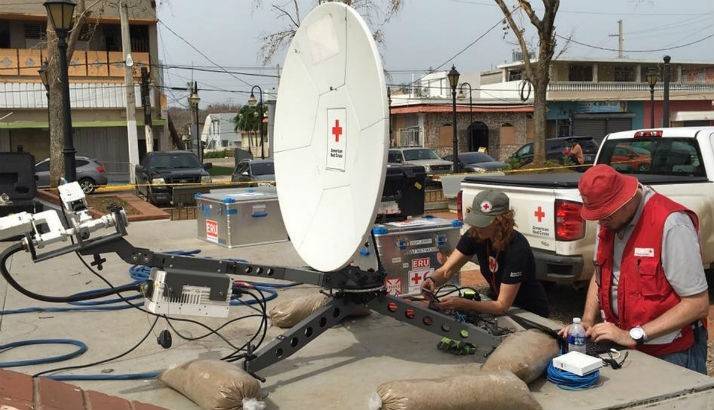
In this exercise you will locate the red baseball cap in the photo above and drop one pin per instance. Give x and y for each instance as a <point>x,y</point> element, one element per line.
<point>604,191</point>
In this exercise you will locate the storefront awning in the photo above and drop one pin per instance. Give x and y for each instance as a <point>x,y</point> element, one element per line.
<point>693,116</point>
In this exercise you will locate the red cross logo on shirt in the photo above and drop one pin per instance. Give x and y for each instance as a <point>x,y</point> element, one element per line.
<point>539,214</point>
<point>337,130</point>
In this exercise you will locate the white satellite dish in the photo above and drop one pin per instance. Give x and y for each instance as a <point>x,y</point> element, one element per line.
<point>331,136</point>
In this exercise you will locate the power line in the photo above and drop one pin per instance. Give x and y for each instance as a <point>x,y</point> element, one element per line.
<point>637,51</point>
<point>202,53</point>
<point>590,12</point>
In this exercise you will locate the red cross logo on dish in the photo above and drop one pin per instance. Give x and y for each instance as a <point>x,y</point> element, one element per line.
<point>486,207</point>
<point>337,130</point>
<point>492,264</point>
<point>539,214</point>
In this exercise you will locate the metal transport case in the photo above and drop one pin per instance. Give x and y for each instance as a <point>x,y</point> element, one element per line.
<point>240,217</point>
<point>408,250</point>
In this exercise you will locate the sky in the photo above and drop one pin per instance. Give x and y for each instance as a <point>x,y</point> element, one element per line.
<point>425,34</point>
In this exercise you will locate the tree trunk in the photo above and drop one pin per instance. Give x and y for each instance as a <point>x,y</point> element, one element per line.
<point>540,89</point>
<point>56,124</point>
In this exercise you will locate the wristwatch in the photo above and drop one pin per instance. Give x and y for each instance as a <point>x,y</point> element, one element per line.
<point>637,334</point>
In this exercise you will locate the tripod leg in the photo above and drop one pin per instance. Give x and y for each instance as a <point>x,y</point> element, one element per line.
<point>435,322</point>
<point>300,335</point>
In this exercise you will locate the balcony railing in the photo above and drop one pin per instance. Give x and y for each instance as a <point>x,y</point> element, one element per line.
<point>18,62</point>
<point>576,86</point>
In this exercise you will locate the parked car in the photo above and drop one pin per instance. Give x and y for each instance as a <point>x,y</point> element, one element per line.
<point>477,162</point>
<point>159,170</point>
<point>254,170</point>
<point>556,149</point>
<point>430,160</point>
<point>90,173</point>
<point>547,206</point>
<point>630,159</point>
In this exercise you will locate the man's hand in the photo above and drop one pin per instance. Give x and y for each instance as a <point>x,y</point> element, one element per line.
<point>565,331</point>
<point>610,332</point>
<point>429,286</point>
<point>453,303</point>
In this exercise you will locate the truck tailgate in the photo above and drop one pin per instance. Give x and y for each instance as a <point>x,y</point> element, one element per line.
<point>534,210</point>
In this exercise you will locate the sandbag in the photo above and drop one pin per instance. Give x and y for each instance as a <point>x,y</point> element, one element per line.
<point>287,313</point>
<point>212,384</point>
<point>526,354</point>
<point>498,390</point>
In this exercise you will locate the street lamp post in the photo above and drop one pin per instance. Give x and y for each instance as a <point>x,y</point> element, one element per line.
<point>59,14</point>
<point>252,102</point>
<point>471,113</point>
<point>652,81</point>
<point>453,82</point>
<point>193,101</point>
<point>666,77</point>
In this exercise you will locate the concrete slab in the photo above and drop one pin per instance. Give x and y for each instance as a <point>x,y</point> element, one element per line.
<point>340,369</point>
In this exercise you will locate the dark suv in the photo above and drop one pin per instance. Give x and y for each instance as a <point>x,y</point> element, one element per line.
<point>160,170</point>
<point>555,150</point>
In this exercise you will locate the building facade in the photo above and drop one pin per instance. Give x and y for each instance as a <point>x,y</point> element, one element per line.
<point>422,115</point>
<point>96,74</point>
<point>219,132</point>
<point>594,97</point>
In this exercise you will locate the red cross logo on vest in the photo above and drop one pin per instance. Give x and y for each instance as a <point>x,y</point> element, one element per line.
<point>539,214</point>
<point>337,130</point>
<point>486,207</point>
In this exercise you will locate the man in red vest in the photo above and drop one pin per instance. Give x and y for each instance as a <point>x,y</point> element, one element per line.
<point>649,284</point>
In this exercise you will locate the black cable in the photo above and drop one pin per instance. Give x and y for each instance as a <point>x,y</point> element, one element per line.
<point>95,273</point>
<point>263,326</point>
<point>17,247</point>
<point>102,361</point>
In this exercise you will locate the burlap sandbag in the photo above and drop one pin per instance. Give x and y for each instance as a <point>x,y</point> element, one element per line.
<point>486,390</point>
<point>212,384</point>
<point>526,354</point>
<point>287,313</point>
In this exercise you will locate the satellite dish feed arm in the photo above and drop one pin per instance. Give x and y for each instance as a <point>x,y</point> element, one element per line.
<point>142,256</point>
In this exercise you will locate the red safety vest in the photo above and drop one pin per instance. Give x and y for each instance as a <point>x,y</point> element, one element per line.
<point>643,292</point>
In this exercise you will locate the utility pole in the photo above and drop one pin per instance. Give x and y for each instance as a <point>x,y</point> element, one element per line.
<point>146,104</point>
<point>620,40</point>
<point>666,77</point>
<point>132,137</point>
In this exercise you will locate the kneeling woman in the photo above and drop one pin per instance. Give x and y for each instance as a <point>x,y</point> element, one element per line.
<point>504,256</point>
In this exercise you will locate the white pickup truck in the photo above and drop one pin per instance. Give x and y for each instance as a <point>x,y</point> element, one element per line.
<point>676,162</point>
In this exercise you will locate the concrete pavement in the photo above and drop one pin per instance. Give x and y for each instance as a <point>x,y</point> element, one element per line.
<point>340,369</point>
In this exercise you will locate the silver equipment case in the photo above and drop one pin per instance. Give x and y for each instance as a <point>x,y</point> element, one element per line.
<point>409,250</point>
<point>240,217</point>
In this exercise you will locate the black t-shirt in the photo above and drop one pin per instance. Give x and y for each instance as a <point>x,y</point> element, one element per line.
<point>513,265</point>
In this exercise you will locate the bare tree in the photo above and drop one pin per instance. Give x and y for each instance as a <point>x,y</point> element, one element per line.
<point>82,13</point>
<point>538,71</point>
<point>376,12</point>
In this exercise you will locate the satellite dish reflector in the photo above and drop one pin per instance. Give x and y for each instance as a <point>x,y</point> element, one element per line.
<point>331,136</point>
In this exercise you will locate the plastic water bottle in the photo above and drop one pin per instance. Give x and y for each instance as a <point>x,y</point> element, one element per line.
<point>576,337</point>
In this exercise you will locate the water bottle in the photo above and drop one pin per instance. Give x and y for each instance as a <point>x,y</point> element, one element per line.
<point>576,337</point>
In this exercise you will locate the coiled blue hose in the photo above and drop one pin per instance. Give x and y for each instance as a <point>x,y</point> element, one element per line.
<point>569,381</point>
<point>52,359</point>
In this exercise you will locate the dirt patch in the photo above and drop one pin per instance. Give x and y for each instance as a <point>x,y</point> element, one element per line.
<point>102,202</point>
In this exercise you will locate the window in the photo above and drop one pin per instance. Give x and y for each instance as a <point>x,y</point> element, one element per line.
<point>409,137</point>
<point>4,34</point>
<point>657,156</point>
<point>34,31</point>
<point>241,168</point>
<point>263,168</point>
<point>515,75</point>
<point>167,161</point>
<point>580,72</point>
<point>394,157</point>
<point>624,73</point>
<point>475,158</point>
<point>418,154</point>
<point>43,166</point>
<point>80,163</point>
<point>525,150</point>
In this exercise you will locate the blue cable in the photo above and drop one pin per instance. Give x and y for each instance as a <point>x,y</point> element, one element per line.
<point>569,381</point>
<point>52,359</point>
